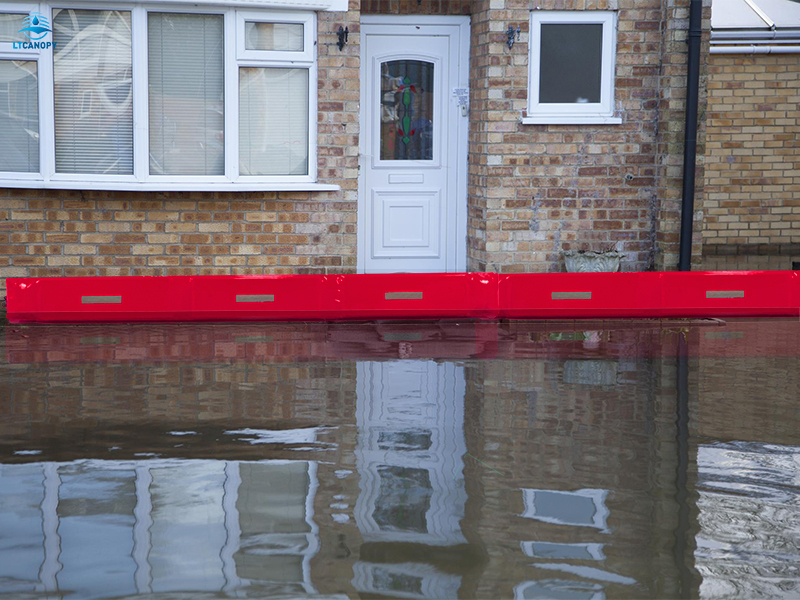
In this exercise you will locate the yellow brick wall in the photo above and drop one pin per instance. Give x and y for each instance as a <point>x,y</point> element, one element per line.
<point>753,150</point>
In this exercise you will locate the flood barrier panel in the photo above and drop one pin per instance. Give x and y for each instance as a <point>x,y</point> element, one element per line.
<point>403,296</point>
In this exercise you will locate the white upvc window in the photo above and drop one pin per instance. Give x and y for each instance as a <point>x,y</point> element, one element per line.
<point>571,67</point>
<point>158,97</point>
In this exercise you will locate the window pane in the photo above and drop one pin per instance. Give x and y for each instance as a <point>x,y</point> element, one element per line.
<point>287,37</point>
<point>93,99</point>
<point>571,63</point>
<point>273,121</point>
<point>186,87</point>
<point>406,110</point>
<point>19,116</point>
<point>10,24</point>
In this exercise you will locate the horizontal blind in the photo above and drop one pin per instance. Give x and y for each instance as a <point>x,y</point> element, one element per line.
<point>10,24</point>
<point>93,93</point>
<point>286,37</point>
<point>19,116</point>
<point>273,121</point>
<point>186,94</point>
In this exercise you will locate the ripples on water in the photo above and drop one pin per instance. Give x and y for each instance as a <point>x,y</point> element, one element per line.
<point>749,517</point>
<point>435,460</point>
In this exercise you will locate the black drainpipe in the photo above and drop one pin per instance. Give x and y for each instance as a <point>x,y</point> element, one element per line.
<point>690,139</point>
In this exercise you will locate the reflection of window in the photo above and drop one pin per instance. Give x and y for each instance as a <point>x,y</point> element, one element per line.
<point>405,440</point>
<point>273,522</point>
<point>404,499</point>
<point>404,580</point>
<point>558,589</point>
<point>571,77</point>
<point>406,110</point>
<point>551,550</point>
<point>389,581</point>
<point>222,97</point>
<point>582,508</point>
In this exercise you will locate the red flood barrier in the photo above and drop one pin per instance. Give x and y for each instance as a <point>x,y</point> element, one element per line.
<point>257,298</point>
<point>98,299</point>
<point>731,293</point>
<point>411,296</point>
<point>580,295</point>
<point>404,296</point>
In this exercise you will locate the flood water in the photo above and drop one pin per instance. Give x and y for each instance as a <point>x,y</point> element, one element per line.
<point>575,460</point>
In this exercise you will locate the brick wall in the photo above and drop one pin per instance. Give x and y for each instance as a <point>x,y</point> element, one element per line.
<point>535,190</point>
<point>753,151</point>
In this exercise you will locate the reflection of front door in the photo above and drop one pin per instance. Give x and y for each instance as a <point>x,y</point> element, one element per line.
<point>410,417</point>
<point>413,197</point>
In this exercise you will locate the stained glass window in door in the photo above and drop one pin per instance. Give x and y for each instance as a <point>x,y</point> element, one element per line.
<point>406,115</point>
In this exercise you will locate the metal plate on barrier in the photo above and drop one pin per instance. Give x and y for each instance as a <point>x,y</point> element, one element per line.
<point>410,336</point>
<point>255,298</point>
<point>571,296</point>
<point>101,299</point>
<point>725,294</point>
<point>403,296</point>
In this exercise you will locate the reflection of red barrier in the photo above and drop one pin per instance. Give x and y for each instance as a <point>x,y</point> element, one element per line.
<point>404,296</point>
<point>192,343</point>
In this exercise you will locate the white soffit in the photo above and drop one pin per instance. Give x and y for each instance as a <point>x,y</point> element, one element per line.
<point>744,14</point>
<point>315,5</point>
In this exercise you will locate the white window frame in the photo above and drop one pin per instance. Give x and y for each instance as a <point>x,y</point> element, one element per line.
<point>572,113</point>
<point>7,52</point>
<point>234,57</point>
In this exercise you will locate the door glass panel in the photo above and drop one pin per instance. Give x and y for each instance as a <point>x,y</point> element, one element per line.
<point>406,117</point>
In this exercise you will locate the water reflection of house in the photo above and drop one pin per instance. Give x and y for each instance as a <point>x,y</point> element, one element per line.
<point>409,456</point>
<point>593,501</point>
<point>158,526</point>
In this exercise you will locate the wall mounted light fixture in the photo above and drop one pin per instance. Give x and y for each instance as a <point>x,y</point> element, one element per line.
<point>513,36</point>
<point>342,35</point>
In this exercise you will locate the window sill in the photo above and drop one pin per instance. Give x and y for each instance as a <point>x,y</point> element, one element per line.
<point>34,184</point>
<point>571,120</point>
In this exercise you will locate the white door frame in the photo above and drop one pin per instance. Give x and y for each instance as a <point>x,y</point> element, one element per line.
<point>461,25</point>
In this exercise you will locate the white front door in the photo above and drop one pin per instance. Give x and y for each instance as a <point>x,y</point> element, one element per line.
<point>412,214</point>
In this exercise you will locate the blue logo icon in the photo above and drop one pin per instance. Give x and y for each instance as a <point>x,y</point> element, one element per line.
<point>36,26</point>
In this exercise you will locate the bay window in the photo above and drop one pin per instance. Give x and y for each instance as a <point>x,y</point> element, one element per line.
<point>144,97</point>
